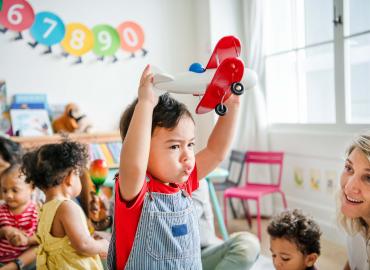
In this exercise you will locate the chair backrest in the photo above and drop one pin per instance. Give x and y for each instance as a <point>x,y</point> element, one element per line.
<point>236,158</point>
<point>268,158</point>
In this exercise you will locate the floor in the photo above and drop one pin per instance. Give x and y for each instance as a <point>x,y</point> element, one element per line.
<point>332,256</point>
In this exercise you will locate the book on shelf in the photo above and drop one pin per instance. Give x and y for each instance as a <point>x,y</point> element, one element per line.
<point>29,101</point>
<point>30,122</point>
<point>28,106</point>
<point>110,152</point>
<point>30,98</point>
<point>5,125</point>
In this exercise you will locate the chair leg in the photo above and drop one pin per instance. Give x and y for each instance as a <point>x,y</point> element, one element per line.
<point>225,210</point>
<point>247,213</point>
<point>259,230</point>
<point>232,208</point>
<point>284,200</point>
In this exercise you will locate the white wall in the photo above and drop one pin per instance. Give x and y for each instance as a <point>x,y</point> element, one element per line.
<point>101,89</point>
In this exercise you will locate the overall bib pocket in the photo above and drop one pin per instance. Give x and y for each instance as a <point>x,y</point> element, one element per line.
<point>171,235</point>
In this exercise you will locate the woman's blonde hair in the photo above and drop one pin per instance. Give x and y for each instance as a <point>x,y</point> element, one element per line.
<point>355,225</point>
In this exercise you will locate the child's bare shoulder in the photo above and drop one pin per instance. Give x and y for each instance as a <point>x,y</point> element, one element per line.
<point>68,206</point>
<point>67,209</point>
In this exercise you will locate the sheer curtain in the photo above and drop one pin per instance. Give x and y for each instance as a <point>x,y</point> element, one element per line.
<point>253,121</point>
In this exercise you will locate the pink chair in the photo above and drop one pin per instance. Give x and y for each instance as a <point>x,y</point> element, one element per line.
<point>255,191</point>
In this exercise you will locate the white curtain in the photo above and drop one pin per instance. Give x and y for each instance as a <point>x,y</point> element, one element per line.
<point>253,121</point>
<point>253,125</point>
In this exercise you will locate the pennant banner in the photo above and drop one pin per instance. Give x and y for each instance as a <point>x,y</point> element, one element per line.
<point>76,39</point>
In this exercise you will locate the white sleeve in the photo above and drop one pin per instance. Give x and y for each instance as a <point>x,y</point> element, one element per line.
<point>203,207</point>
<point>357,252</point>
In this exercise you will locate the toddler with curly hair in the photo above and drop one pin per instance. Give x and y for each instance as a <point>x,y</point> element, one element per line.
<point>294,241</point>
<point>65,242</point>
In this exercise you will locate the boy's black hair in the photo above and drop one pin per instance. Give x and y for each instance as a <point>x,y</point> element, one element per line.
<point>166,114</point>
<point>297,228</point>
<point>48,165</point>
<point>10,151</point>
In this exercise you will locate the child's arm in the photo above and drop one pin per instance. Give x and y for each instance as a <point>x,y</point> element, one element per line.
<point>220,139</point>
<point>136,145</point>
<point>32,240</point>
<point>77,233</point>
<point>27,257</point>
<point>7,232</point>
<point>19,238</point>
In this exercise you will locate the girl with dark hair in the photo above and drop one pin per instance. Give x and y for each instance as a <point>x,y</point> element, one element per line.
<point>65,241</point>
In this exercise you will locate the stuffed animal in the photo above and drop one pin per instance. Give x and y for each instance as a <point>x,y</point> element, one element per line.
<point>72,120</point>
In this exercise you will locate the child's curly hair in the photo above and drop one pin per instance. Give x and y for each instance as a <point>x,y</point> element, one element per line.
<point>297,228</point>
<point>48,165</point>
<point>167,114</point>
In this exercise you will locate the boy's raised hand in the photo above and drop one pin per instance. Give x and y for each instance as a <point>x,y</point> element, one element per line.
<point>146,92</point>
<point>232,100</point>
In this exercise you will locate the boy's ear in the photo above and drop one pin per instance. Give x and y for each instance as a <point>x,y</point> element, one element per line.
<point>311,259</point>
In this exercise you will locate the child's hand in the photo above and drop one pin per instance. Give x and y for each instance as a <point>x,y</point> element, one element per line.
<point>146,92</point>
<point>18,238</point>
<point>8,231</point>
<point>232,100</point>
<point>104,254</point>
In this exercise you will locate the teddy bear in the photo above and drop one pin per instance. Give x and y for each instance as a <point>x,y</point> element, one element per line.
<point>72,120</point>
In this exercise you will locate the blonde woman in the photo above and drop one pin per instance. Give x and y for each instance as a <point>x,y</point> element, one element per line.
<point>354,211</point>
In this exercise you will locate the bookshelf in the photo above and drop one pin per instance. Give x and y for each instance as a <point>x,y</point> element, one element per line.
<point>88,138</point>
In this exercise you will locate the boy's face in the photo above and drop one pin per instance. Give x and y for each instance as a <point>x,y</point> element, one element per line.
<point>15,191</point>
<point>287,256</point>
<point>355,184</point>
<point>171,156</point>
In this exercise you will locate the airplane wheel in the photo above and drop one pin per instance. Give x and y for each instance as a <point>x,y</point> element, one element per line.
<point>237,88</point>
<point>221,109</point>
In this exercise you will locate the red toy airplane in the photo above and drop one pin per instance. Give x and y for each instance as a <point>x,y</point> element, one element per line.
<point>222,77</point>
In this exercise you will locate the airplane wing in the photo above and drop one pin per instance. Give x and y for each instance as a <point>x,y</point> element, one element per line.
<point>226,47</point>
<point>219,90</point>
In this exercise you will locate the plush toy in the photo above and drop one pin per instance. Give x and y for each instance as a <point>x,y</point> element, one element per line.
<point>72,120</point>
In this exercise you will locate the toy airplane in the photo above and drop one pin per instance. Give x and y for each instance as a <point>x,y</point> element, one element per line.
<point>223,76</point>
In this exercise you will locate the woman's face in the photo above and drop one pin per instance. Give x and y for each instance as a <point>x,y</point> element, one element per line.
<point>355,186</point>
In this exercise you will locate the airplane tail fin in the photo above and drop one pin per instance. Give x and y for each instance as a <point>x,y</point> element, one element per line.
<point>160,76</point>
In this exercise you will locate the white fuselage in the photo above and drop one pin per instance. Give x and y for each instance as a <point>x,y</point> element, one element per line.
<point>196,83</point>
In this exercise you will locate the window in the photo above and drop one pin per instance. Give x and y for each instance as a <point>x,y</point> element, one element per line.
<point>357,50</point>
<point>301,51</point>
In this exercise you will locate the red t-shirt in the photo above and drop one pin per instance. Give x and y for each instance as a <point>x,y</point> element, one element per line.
<point>26,221</point>
<point>127,217</point>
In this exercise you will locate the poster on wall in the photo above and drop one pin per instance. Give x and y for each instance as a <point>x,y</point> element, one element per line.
<point>315,178</point>
<point>331,177</point>
<point>75,38</point>
<point>298,177</point>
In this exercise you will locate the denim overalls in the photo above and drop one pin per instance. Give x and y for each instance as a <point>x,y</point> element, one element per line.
<point>167,236</point>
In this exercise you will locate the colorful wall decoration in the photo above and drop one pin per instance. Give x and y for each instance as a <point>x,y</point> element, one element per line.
<point>76,39</point>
